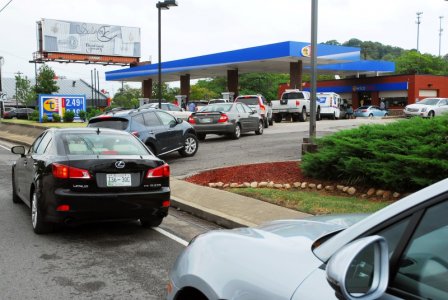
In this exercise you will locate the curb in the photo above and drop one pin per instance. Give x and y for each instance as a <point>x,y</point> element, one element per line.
<point>210,215</point>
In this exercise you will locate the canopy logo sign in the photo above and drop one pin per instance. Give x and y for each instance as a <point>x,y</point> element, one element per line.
<point>59,104</point>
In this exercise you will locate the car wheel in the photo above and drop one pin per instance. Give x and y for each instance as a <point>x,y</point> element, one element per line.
<point>37,218</point>
<point>431,114</point>
<point>271,121</point>
<point>333,117</point>
<point>191,145</point>
<point>15,197</point>
<point>237,132</point>
<point>302,116</point>
<point>386,115</point>
<point>266,123</point>
<point>318,116</point>
<point>259,131</point>
<point>151,222</point>
<point>201,136</point>
<point>278,118</point>
<point>371,116</point>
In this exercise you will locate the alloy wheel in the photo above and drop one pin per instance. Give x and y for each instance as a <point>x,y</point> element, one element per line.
<point>34,210</point>
<point>190,145</point>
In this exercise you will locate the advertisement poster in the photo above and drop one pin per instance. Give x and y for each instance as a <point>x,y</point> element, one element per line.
<point>59,104</point>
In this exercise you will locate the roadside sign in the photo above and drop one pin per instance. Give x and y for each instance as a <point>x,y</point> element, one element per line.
<point>59,104</point>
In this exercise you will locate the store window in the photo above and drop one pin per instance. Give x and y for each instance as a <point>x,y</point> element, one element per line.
<point>395,102</point>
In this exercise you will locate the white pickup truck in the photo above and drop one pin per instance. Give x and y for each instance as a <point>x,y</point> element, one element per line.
<point>295,105</point>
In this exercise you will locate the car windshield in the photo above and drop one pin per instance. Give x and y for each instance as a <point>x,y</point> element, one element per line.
<point>112,123</point>
<point>429,101</point>
<point>101,143</point>
<point>248,100</point>
<point>217,107</point>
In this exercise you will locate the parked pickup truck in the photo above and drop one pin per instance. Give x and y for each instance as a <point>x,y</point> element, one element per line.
<point>295,105</point>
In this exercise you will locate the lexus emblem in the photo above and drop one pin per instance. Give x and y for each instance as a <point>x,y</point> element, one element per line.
<point>120,164</point>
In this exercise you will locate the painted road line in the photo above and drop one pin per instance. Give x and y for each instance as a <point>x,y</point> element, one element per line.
<point>5,148</point>
<point>171,236</point>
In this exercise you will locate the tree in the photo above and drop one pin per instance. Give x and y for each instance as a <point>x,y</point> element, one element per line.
<point>127,97</point>
<point>413,62</point>
<point>24,91</point>
<point>45,81</point>
<point>332,42</point>
<point>199,93</point>
<point>167,92</point>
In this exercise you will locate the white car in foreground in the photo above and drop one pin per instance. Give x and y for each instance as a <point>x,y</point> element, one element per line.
<point>427,108</point>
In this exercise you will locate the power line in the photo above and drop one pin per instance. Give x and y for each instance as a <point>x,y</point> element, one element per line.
<point>5,6</point>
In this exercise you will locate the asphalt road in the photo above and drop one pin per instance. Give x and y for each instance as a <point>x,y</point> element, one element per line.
<point>123,260</point>
<point>95,261</point>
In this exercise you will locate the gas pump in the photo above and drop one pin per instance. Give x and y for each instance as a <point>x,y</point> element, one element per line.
<point>181,101</point>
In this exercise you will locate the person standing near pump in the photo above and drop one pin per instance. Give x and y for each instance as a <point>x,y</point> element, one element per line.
<point>192,107</point>
<point>382,105</point>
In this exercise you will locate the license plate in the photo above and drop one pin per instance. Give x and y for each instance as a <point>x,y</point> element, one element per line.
<point>118,180</point>
<point>206,120</point>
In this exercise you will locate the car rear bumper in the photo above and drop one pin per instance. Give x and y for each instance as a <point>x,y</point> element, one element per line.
<point>215,128</point>
<point>86,207</point>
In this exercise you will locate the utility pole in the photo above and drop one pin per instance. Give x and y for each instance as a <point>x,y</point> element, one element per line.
<point>418,26</point>
<point>440,34</point>
<point>17,98</point>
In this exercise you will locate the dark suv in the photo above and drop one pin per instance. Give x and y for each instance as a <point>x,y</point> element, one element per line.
<point>159,130</point>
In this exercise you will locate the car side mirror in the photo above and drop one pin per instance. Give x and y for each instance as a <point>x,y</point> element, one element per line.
<point>179,120</point>
<point>360,270</point>
<point>18,150</point>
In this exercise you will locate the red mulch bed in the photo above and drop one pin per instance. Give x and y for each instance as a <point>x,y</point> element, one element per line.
<point>278,172</point>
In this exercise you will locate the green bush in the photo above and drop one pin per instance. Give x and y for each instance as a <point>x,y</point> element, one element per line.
<point>56,118</point>
<point>82,115</point>
<point>44,118</point>
<point>69,116</point>
<point>405,155</point>
<point>34,116</point>
<point>92,113</point>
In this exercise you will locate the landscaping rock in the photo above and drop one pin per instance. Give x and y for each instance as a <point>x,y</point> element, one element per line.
<point>297,184</point>
<point>246,184</point>
<point>263,184</point>
<point>270,185</point>
<point>396,195</point>
<point>312,185</point>
<point>364,196</point>
<point>219,184</point>
<point>387,194</point>
<point>319,186</point>
<point>278,186</point>
<point>254,184</point>
<point>351,191</point>
<point>329,188</point>
<point>304,185</point>
<point>212,184</point>
<point>345,189</point>
<point>371,192</point>
<point>226,185</point>
<point>379,193</point>
<point>234,185</point>
<point>340,187</point>
<point>287,186</point>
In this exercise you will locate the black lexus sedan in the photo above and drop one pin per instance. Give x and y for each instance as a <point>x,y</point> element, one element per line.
<point>90,174</point>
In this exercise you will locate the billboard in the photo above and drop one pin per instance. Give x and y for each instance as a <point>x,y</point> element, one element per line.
<point>88,38</point>
<point>59,104</point>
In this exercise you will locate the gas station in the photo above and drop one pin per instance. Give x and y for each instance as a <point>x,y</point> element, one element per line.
<point>284,57</point>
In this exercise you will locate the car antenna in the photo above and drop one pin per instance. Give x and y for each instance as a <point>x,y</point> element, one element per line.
<point>97,130</point>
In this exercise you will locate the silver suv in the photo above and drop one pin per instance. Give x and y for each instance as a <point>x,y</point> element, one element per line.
<point>260,105</point>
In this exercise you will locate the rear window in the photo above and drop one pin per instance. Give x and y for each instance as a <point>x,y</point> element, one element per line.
<point>217,107</point>
<point>248,101</point>
<point>287,96</point>
<point>102,144</point>
<point>217,101</point>
<point>112,123</point>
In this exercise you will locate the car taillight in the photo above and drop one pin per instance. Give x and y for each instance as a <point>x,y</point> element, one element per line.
<point>223,118</point>
<point>162,171</point>
<point>135,133</point>
<point>297,103</point>
<point>65,172</point>
<point>191,120</point>
<point>166,203</point>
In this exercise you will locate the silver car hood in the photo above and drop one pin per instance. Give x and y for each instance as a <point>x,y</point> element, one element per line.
<point>267,262</point>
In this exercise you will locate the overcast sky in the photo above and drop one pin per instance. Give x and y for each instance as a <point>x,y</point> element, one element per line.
<point>198,27</point>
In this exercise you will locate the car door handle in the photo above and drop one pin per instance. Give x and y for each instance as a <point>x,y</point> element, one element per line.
<point>151,132</point>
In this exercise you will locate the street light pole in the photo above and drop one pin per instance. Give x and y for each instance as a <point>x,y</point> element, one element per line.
<point>161,5</point>
<point>418,26</point>
<point>312,133</point>
<point>440,34</point>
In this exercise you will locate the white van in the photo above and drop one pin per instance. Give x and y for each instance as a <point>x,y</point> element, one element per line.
<point>330,105</point>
